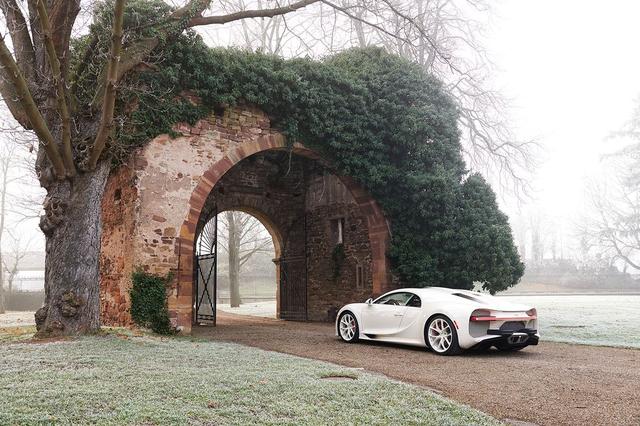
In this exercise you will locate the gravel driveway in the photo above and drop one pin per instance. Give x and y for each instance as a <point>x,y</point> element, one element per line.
<point>549,384</point>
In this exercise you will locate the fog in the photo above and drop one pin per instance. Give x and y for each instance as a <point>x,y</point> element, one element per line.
<point>571,70</point>
<point>565,77</point>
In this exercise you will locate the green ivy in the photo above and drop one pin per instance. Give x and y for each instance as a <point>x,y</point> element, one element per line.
<point>376,117</point>
<point>149,302</point>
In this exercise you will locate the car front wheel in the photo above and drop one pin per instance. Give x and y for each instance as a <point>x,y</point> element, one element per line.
<point>441,336</point>
<point>348,327</point>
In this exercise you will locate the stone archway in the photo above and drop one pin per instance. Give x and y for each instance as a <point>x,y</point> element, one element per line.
<point>378,231</point>
<point>152,206</point>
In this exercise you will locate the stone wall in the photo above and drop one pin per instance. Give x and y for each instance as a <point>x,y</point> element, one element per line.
<point>116,260</point>
<point>334,281</point>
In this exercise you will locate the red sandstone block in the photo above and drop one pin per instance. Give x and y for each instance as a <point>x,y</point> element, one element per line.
<point>185,278</point>
<point>186,231</point>
<point>201,191</point>
<point>207,183</point>
<point>198,197</point>
<point>194,216</point>
<point>185,295</point>
<point>222,166</point>
<point>211,176</point>
<point>185,245</point>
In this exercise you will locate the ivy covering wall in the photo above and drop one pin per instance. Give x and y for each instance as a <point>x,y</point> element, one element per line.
<point>149,301</point>
<point>375,116</point>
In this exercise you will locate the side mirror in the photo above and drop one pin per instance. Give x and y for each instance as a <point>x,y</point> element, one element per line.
<point>369,301</point>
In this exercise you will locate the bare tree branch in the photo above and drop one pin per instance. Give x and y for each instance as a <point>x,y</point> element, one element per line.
<point>19,31</point>
<point>109,101</point>
<point>245,14</point>
<point>38,123</point>
<point>62,15</point>
<point>61,92</point>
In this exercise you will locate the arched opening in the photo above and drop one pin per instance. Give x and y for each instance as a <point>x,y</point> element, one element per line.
<point>330,237</point>
<point>246,275</point>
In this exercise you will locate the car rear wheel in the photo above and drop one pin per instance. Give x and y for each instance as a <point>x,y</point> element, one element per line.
<point>348,327</point>
<point>441,336</point>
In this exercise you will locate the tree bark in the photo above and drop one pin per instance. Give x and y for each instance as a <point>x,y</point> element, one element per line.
<point>72,226</point>
<point>234,259</point>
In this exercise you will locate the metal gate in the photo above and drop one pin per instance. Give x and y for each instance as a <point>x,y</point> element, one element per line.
<point>293,274</point>
<point>206,273</point>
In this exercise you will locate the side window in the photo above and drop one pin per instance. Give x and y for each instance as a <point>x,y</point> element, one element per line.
<point>415,302</point>
<point>397,299</point>
<point>382,300</point>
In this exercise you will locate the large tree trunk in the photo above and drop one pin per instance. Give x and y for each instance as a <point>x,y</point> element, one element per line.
<point>234,283</point>
<point>234,259</point>
<point>72,226</point>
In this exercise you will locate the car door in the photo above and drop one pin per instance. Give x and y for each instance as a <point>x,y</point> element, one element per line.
<point>384,315</point>
<point>412,318</point>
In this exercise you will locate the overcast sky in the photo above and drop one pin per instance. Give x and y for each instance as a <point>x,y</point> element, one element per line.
<point>572,71</point>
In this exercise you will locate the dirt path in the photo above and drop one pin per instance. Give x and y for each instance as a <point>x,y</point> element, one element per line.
<point>553,383</point>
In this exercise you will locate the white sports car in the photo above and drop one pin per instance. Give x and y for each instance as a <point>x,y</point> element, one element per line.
<point>445,320</point>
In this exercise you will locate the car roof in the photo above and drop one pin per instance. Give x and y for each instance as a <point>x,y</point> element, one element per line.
<point>420,291</point>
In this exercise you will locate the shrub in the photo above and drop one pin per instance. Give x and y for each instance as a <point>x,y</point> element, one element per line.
<point>149,302</point>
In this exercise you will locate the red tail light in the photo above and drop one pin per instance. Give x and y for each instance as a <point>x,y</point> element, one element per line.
<point>485,315</point>
<point>482,315</point>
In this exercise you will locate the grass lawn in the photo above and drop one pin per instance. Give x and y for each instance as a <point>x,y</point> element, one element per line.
<point>121,377</point>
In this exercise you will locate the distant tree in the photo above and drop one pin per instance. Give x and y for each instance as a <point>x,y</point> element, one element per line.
<point>9,162</point>
<point>543,235</point>
<point>14,173</point>
<point>241,236</point>
<point>5,164</point>
<point>611,227</point>
<point>11,262</point>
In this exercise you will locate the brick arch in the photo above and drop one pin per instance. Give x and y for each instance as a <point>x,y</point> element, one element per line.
<point>180,304</point>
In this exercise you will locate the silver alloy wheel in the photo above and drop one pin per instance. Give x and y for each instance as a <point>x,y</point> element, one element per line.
<point>347,327</point>
<point>440,335</point>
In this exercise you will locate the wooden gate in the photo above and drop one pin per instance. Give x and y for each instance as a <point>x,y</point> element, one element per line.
<point>293,288</point>
<point>293,273</point>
